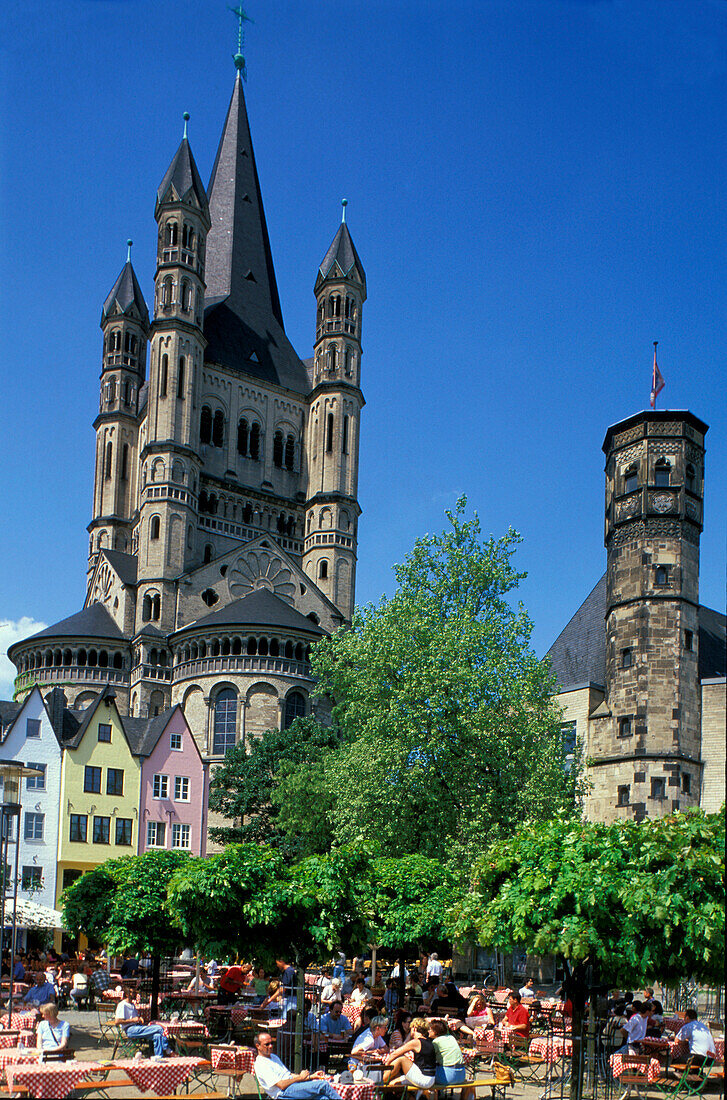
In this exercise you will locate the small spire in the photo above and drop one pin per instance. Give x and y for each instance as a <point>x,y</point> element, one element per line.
<point>239,57</point>
<point>128,251</point>
<point>344,204</point>
<point>185,116</point>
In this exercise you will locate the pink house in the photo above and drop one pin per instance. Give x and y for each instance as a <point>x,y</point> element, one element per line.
<point>173,801</point>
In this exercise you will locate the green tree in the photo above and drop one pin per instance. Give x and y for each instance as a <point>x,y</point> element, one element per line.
<point>123,903</point>
<point>448,726</point>
<point>621,903</point>
<point>242,787</point>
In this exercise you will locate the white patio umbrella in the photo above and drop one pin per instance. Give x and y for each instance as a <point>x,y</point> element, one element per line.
<point>32,915</point>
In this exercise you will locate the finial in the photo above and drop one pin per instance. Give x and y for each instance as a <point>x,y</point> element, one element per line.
<point>239,57</point>
<point>185,116</point>
<point>344,204</point>
<point>128,251</point>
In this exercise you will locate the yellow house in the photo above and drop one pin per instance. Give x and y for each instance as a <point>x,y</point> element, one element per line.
<point>100,786</point>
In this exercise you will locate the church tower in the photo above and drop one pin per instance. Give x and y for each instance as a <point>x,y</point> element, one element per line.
<point>125,325</point>
<point>646,736</point>
<point>333,431</point>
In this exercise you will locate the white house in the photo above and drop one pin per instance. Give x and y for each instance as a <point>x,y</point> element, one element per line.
<point>32,739</point>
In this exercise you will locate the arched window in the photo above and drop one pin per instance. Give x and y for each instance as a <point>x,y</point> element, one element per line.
<point>274,647</point>
<point>205,425</point>
<point>289,650</point>
<point>278,450</point>
<point>255,441</point>
<point>262,647</point>
<point>170,238</point>
<point>156,607</point>
<point>332,357</point>
<point>203,502</point>
<point>294,708</point>
<point>289,452</point>
<point>207,553</point>
<point>218,429</point>
<point>225,722</point>
<point>252,647</point>
<point>167,292</point>
<point>243,435</point>
<point>329,432</point>
<point>127,391</point>
<point>247,514</point>
<point>344,436</point>
<point>691,479</point>
<point>337,305</point>
<point>323,569</point>
<point>213,504</point>
<point>186,296</point>
<point>154,527</point>
<point>124,462</point>
<point>347,359</point>
<point>662,473</point>
<point>631,479</point>
<point>109,460</point>
<point>180,378</point>
<point>330,306</point>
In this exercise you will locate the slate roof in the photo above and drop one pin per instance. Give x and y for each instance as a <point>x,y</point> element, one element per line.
<point>126,292</point>
<point>578,654</point>
<point>124,564</point>
<point>712,644</point>
<point>8,713</point>
<point>74,729</point>
<point>243,317</point>
<point>260,608</point>
<point>93,622</point>
<point>343,252</point>
<point>183,176</point>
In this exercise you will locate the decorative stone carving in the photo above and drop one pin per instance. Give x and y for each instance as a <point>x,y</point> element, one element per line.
<point>658,447</point>
<point>692,509</point>
<point>629,507</point>
<point>628,436</point>
<point>666,428</point>
<point>663,502</point>
<point>260,568</point>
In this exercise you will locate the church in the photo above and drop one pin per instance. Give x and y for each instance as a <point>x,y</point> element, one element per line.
<point>222,541</point>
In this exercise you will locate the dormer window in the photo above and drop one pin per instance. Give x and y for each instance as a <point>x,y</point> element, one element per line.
<point>631,479</point>
<point>662,474</point>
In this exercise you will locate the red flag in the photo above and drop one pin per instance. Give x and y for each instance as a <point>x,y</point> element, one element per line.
<point>657,382</point>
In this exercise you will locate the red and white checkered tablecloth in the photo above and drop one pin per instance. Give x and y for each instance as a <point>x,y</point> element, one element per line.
<point>49,1081</point>
<point>233,1057</point>
<point>162,1077</point>
<point>21,1021</point>
<point>8,1039</point>
<point>551,1047</point>
<point>352,1013</point>
<point>190,1028</point>
<point>15,1055</point>
<point>679,1051</point>
<point>620,1063</point>
<point>491,1038</point>
<point>354,1092</point>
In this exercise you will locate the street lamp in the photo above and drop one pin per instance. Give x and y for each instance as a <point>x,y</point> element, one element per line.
<point>12,774</point>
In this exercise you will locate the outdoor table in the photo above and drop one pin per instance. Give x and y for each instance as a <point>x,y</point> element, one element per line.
<point>551,1047</point>
<point>679,1051</point>
<point>491,1036</point>
<point>162,1077</point>
<point>48,1080</point>
<point>657,1045</point>
<point>241,1059</point>
<point>674,1023</point>
<point>20,1021</point>
<point>10,1038</point>
<point>16,1055</point>
<point>172,1028</point>
<point>357,1091</point>
<point>352,1013</point>
<point>620,1063</point>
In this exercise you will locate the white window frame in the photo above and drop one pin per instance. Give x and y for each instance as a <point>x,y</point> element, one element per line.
<point>172,746</point>
<point>155,826</point>
<point>36,726</point>
<point>36,782</point>
<point>181,788</point>
<point>34,816</point>
<point>160,789</point>
<point>182,833</point>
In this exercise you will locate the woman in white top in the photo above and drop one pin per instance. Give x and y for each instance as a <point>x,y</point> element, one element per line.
<point>53,1034</point>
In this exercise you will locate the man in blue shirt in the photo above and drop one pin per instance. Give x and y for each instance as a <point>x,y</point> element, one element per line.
<point>40,993</point>
<point>339,970</point>
<point>334,1022</point>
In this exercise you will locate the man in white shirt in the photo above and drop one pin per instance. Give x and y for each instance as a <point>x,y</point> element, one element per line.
<point>635,1028</point>
<point>277,1081</point>
<point>128,1018</point>
<point>527,993</point>
<point>434,967</point>
<point>697,1034</point>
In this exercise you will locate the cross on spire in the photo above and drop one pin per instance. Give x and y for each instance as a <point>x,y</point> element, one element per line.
<point>239,57</point>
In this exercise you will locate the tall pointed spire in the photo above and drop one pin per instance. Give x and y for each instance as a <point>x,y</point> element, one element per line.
<point>125,296</point>
<point>182,179</point>
<point>243,319</point>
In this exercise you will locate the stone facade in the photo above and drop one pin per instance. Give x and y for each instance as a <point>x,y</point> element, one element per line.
<point>652,733</point>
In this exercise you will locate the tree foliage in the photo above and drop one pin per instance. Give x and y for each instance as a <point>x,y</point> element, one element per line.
<point>448,726</point>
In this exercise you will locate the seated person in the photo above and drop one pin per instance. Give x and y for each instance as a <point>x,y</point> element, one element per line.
<point>479,1009</point>
<point>697,1034</point>
<point>415,1061</point>
<point>361,993</point>
<point>40,993</point>
<point>402,1029</point>
<point>100,981</point>
<point>372,1037</point>
<point>79,986</point>
<point>19,969</point>
<point>128,1018</point>
<point>450,1062</point>
<point>129,967</point>
<point>451,1000</point>
<point>277,1081</point>
<point>203,985</point>
<point>635,1027</point>
<point>648,995</point>
<point>430,997</point>
<point>391,996</point>
<point>527,992</point>
<point>334,1023</point>
<point>275,998</point>
<point>332,992</point>
<point>52,1034</point>
<point>517,1018</point>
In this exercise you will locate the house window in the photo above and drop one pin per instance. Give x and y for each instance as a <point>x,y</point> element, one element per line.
<point>181,836</point>
<point>33,826</point>
<point>101,830</point>
<point>115,781</point>
<point>662,472</point>
<point>123,832</point>
<point>8,828</point>
<point>161,786</point>
<point>104,732</point>
<point>294,708</point>
<point>631,479</point>
<point>155,834</point>
<point>36,782</point>
<point>627,656</point>
<point>181,788</point>
<point>225,722</point>
<point>31,878</point>
<point>32,727</point>
<point>688,640</point>
<point>71,875</point>
<point>624,795</point>
<point>625,727</point>
<point>661,576</point>
<point>175,742</point>
<point>658,788</point>
<point>686,783</point>
<point>92,780</point>
<point>79,825</point>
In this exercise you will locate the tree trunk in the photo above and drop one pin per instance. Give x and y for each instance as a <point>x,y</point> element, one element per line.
<point>299,1021</point>
<point>575,987</point>
<point>155,969</point>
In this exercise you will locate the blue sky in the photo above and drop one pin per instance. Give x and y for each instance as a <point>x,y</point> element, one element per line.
<point>536,189</point>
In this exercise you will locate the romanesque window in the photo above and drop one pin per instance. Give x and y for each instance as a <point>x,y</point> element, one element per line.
<point>688,640</point>
<point>127,391</point>
<point>167,292</point>
<point>225,722</point>
<point>205,425</point>
<point>247,514</point>
<point>662,474</point>
<point>631,479</point>
<point>686,783</point>
<point>255,441</point>
<point>218,429</point>
<point>625,727</point>
<point>627,656</point>
<point>154,525</point>
<point>329,433</point>
<point>344,436</point>
<point>243,435</point>
<point>347,360</point>
<point>180,378</point>
<point>294,708</point>
<point>658,787</point>
<point>124,462</point>
<point>207,553</point>
<point>332,357</point>
<point>661,576</point>
<point>289,452</point>
<point>186,296</point>
<point>323,569</point>
<point>624,795</point>
<point>691,479</point>
<point>108,461</point>
<point>170,236</point>
<point>278,450</point>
